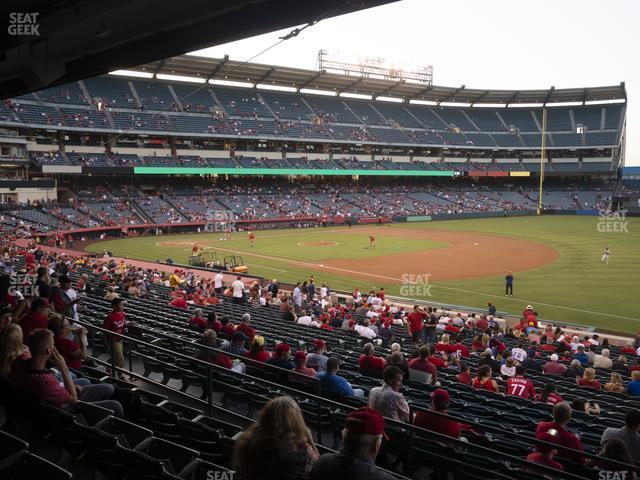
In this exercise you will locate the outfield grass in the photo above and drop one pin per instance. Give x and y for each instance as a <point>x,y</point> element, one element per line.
<point>576,288</point>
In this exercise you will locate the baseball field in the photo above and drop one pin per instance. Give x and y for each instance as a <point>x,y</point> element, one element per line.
<point>556,262</point>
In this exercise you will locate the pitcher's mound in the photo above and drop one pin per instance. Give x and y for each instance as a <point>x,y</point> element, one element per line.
<point>321,243</point>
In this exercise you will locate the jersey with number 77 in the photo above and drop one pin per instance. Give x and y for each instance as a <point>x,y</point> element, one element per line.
<point>520,387</point>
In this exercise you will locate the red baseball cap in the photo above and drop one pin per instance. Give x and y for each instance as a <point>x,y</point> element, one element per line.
<point>319,343</point>
<point>300,355</point>
<point>366,420</point>
<point>440,399</point>
<point>282,347</point>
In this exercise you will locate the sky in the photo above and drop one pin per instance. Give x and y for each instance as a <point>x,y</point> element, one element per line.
<point>488,44</point>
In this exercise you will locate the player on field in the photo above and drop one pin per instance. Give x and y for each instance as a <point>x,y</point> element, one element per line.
<point>509,284</point>
<point>252,239</point>
<point>372,241</point>
<point>605,256</point>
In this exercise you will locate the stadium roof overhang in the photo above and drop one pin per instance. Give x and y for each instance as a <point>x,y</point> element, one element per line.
<point>50,42</point>
<point>237,71</point>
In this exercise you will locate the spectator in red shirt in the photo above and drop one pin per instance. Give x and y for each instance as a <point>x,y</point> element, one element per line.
<point>300,359</point>
<point>438,423</point>
<point>197,321</point>
<point>443,345</point>
<point>115,322</point>
<point>482,323</point>
<point>480,342</point>
<point>554,367</point>
<point>588,379</point>
<point>245,327</point>
<point>465,374</point>
<point>459,349</point>
<point>415,323</point>
<point>561,418</point>
<point>370,364</point>
<point>518,386</point>
<point>213,323</point>
<point>628,349</point>
<point>227,327</point>
<point>38,317</point>
<point>256,350</point>
<point>72,352</point>
<point>544,453</point>
<point>179,302</point>
<point>209,339</point>
<point>549,394</point>
<point>34,378</point>
<point>483,380</point>
<point>422,364</point>
<point>439,361</point>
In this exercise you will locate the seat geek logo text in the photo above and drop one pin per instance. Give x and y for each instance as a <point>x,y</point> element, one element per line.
<point>24,24</point>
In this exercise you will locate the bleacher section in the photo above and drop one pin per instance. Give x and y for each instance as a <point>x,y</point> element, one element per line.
<point>183,416</point>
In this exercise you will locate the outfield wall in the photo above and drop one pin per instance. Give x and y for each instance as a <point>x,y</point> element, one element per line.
<point>300,222</point>
<point>470,215</point>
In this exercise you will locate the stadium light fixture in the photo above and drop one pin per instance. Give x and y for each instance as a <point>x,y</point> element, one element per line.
<point>525,105</point>
<point>563,104</point>
<point>389,99</point>
<point>314,91</point>
<point>423,102</point>
<point>360,96</point>
<point>131,73</point>
<point>230,83</point>
<point>279,88</point>
<point>180,78</point>
<point>455,104</point>
<point>604,102</point>
<point>488,105</point>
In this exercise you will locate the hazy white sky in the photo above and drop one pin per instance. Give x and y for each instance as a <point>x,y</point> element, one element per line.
<point>483,44</point>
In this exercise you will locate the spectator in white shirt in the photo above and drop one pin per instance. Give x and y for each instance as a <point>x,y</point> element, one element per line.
<point>603,360</point>
<point>238,290</point>
<point>575,342</point>
<point>304,319</point>
<point>217,282</point>
<point>297,296</point>
<point>364,330</point>
<point>372,313</point>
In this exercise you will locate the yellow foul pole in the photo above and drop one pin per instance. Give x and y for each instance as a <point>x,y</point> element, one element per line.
<point>542,152</point>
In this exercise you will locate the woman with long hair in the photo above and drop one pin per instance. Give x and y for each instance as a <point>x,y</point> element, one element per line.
<point>11,347</point>
<point>615,385</point>
<point>549,394</point>
<point>73,352</point>
<point>483,380</point>
<point>588,379</point>
<point>278,446</point>
<point>443,344</point>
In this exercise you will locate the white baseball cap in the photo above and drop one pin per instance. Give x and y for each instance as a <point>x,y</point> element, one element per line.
<point>554,357</point>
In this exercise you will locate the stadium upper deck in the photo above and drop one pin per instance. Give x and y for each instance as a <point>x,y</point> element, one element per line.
<point>172,108</point>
